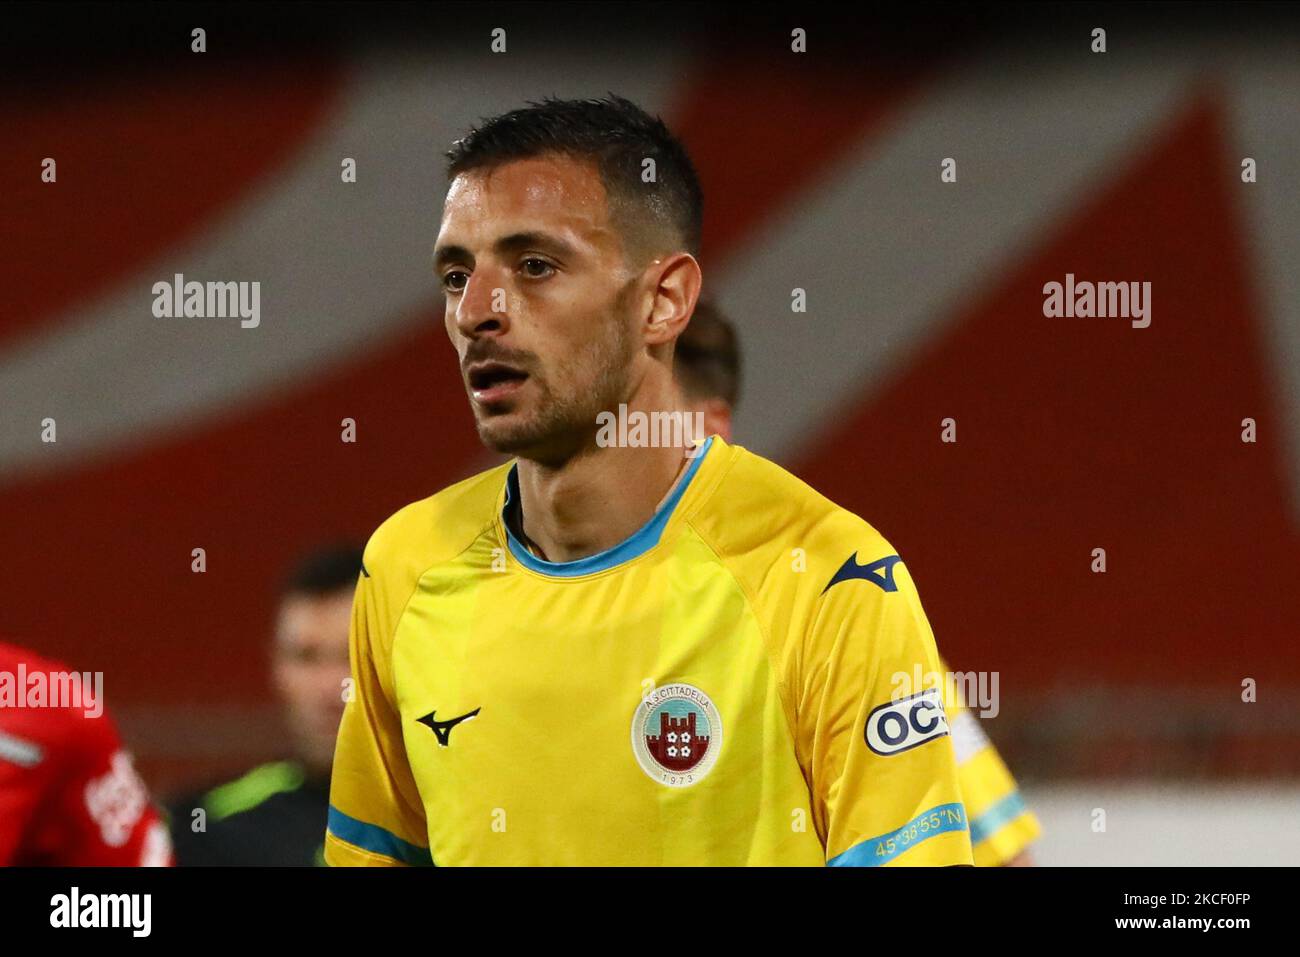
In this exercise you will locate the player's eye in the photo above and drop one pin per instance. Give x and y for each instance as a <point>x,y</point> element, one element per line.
<point>535,268</point>
<point>455,280</point>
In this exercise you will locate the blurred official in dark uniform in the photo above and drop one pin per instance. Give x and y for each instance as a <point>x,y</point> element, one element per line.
<point>275,814</point>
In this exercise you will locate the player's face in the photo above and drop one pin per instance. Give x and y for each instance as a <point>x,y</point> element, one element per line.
<point>539,303</point>
<point>311,664</point>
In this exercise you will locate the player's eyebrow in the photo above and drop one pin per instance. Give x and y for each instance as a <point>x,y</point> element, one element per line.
<point>515,242</point>
<point>534,240</point>
<point>444,255</point>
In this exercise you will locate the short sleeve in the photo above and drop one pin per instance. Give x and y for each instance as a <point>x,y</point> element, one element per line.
<point>376,817</point>
<point>871,726</point>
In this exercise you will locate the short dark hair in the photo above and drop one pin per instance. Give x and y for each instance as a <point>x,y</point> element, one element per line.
<point>707,357</point>
<point>616,135</point>
<point>324,571</point>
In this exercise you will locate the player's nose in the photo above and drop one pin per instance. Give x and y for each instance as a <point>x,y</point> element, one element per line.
<point>482,307</point>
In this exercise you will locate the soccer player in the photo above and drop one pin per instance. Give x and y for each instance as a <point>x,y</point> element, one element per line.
<point>275,813</point>
<point>69,795</point>
<point>617,652</point>
<point>707,366</point>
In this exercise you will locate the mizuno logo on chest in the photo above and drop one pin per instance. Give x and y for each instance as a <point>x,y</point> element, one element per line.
<point>442,729</point>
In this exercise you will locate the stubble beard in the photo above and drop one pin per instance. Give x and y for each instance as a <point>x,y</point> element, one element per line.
<point>563,423</point>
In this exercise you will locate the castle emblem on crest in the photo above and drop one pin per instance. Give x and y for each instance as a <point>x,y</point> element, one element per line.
<point>676,734</point>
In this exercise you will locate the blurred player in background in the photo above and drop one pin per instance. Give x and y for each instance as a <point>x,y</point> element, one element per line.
<point>69,796</point>
<point>707,367</point>
<point>275,814</point>
<point>621,651</point>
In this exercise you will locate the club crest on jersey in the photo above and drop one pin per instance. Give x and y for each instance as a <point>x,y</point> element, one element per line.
<point>906,723</point>
<point>676,735</point>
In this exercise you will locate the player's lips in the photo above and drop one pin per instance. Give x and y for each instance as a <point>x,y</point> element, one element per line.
<point>493,381</point>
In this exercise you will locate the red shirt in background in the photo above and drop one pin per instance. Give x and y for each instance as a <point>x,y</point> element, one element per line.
<point>69,795</point>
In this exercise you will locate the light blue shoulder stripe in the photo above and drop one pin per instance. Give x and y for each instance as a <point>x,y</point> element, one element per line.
<point>997,817</point>
<point>876,851</point>
<point>373,838</point>
<point>641,541</point>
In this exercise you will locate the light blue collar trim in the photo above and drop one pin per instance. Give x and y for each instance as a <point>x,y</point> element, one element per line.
<point>641,541</point>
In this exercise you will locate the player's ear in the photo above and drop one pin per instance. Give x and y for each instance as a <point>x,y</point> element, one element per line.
<point>677,287</point>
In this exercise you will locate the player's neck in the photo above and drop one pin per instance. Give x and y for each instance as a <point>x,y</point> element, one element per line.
<point>594,500</point>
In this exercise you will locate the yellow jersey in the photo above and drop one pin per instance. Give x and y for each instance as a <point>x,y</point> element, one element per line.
<point>715,690</point>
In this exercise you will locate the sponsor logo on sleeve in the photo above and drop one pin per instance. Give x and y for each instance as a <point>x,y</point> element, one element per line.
<point>906,723</point>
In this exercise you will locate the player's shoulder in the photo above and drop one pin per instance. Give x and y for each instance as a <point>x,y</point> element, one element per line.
<point>437,528</point>
<point>758,508</point>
